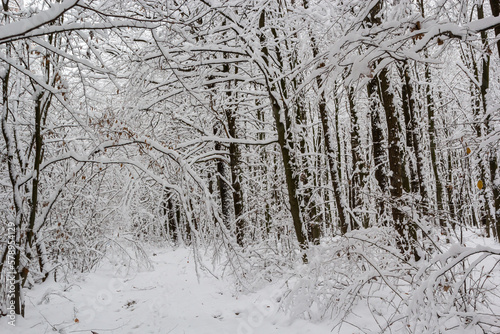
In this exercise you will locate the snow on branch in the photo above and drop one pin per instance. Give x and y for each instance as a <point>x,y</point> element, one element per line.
<point>484,24</point>
<point>22,27</point>
<point>228,141</point>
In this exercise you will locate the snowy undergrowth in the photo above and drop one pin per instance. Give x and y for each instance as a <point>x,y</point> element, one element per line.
<point>360,283</point>
<point>124,253</point>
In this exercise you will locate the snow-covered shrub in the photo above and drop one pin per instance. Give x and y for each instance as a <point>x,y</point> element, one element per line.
<point>456,290</point>
<point>361,280</point>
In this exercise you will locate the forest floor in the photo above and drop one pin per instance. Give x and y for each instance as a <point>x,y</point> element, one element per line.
<point>167,298</point>
<point>169,293</point>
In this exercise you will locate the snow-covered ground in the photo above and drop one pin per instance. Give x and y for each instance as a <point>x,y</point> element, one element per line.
<point>166,299</point>
<point>169,295</point>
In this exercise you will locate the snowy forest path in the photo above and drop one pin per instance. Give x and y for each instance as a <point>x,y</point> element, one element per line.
<point>165,299</point>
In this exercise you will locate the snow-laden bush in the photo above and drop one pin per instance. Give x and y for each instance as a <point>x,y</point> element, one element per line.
<point>361,280</point>
<point>457,289</point>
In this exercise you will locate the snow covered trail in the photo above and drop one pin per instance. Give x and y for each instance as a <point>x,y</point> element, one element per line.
<point>166,299</point>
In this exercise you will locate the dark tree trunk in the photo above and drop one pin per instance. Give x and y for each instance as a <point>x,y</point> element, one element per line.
<point>330,153</point>
<point>234,165</point>
<point>173,223</point>
<point>478,99</point>
<point>286,145</point>
<point>412,137</point>
<point>406,230</point>
<point>379,154</point>
<point>13,254</point>
<point>358,163</point>
<point>485,84</point>
<point>224,190</point>
<point>432,138</point>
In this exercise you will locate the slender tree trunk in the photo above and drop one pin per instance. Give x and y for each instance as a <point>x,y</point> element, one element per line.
<point>413,140</point>
<point>432,139</point>
<point>449,189</point>
<point>264,169</point>
<point>286,145</point>
<point>406,230</point>
<point>13,253</point>
<point>358,163</point>
<point>330,153</point>
<point>309,207</point>
<point>289,172</point>
<point>379,154</point>
<point>492,188</point>
<point>234,164</point>
<point>432,136</point>
<point>173,223</point>
<point>40,106</point>
<point>224,190</point>
<point>478,105</point>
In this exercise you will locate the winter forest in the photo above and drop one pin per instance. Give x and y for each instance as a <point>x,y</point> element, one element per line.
<point>250,166</point>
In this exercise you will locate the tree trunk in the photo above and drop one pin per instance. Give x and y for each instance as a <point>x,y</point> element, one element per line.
<point>432,138</point>
<point>406,231</point>
<point>224,190</point>
<point>330,153</point>
<point>234,165</point>
<point>379,154</point>
<point>358,163</point>
<point>285,143</point>
<point>493,188</point>
<point>14,253</point>
<point>412,137</point>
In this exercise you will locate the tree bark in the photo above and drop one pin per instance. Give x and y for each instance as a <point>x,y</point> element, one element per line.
<point>358,163</point>
<point>284,142</point>
<point>234,165</point>
<point>406,231</point>
<point>432,138</point>
<point>412,137</point>
<point>224,191</point>
<point>17,200</point>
